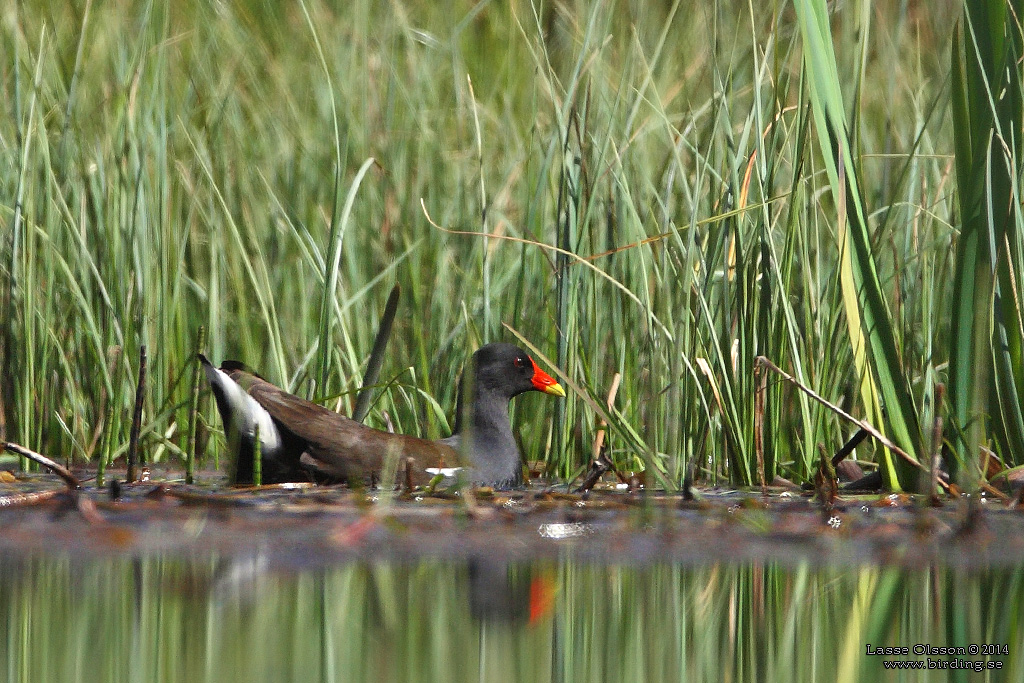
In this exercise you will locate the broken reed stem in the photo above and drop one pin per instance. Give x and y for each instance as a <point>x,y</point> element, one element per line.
<point>408,475</point>
<point>826,484</point>
<point>940,393</point>
<point>849,446</point>
<point>759,400</point>
<point>61,471</point>
<point>602,426</point>
<point>600,464</point>
<point>193,410</point>
<point>14,500</point>
<point>133,439</point>
<point>113,354</point>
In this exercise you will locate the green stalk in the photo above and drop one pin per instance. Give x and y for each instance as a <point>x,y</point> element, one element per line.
<point>193,410</point>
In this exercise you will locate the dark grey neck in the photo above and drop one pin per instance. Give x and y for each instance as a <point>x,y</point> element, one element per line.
<point>487,439</point>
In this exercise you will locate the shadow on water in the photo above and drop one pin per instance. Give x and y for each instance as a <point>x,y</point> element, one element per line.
<point>245,619</point>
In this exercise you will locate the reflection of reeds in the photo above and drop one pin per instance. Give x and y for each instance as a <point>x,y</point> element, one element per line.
<point>646,185</point>
<point>250,621</point>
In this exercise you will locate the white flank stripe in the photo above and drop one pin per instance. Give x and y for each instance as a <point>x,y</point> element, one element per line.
<point>446,471</point>
<point>250,413</point>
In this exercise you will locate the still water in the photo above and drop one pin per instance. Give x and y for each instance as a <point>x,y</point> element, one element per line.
<point>254,618</point>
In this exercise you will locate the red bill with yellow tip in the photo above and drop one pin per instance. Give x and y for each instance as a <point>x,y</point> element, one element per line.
<point>542,381</point>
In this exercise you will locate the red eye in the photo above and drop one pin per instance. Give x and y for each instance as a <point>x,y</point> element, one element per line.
<point>519,362</point>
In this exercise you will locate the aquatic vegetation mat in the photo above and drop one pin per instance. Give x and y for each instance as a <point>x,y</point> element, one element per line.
<point>308,526</point>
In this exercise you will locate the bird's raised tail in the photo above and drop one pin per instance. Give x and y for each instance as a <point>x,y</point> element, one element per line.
<point>241,415</point>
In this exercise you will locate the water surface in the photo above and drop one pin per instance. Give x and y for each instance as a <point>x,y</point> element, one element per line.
<point>322,586</point>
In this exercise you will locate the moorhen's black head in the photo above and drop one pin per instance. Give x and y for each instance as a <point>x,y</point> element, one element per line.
<point>499,372</point>
<point>506,370</point>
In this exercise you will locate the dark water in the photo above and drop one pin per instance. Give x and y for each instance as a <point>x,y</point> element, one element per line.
<point>316,589</point>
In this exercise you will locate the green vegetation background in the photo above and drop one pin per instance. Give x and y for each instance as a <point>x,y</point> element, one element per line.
<point>166,166</point>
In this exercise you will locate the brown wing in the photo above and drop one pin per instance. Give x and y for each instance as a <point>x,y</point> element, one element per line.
<point>339,447</point>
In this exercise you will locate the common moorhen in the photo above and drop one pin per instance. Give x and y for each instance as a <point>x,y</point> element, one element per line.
<point>300,440</point>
